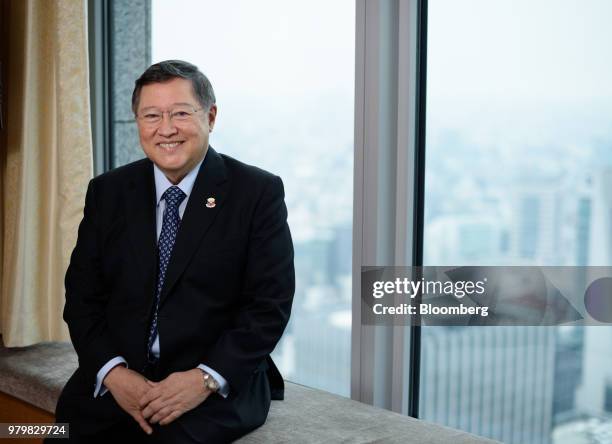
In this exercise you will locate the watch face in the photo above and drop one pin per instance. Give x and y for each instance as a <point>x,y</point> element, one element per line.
<point>210,383</point>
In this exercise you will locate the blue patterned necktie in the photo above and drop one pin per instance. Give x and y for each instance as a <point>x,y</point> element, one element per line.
<point>173,197</point>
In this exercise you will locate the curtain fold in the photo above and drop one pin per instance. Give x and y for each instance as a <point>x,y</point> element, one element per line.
<point>48,164</point>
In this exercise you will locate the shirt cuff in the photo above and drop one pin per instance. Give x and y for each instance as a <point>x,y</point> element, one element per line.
<point>223,385</point>
<point>100,389</point>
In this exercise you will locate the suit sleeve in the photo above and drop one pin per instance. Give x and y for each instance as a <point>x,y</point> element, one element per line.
<point>267,294</point>
<point>84,311</point>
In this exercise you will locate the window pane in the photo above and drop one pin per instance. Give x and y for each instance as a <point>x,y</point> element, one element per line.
<point>283,76</point>
<point>519,168</point>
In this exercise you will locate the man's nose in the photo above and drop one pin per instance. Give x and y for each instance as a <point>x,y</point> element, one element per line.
<point>166,127</point>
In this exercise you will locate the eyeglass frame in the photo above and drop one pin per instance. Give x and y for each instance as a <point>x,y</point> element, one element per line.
<point>170,115</point>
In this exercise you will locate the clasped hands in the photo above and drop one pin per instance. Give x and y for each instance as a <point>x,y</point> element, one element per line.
<point>160,402</point>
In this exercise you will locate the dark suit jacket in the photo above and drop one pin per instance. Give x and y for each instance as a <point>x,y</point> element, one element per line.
<point>225,302</point>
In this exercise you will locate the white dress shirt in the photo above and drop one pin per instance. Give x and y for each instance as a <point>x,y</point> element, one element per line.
<point>161,185</point>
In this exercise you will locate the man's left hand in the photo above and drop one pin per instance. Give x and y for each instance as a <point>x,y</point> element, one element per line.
<point>173,396</point>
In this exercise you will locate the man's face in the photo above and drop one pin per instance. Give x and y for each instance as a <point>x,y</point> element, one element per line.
<point>174,145</point>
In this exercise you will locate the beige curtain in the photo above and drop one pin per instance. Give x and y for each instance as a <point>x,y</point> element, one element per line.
<point>48,164</point>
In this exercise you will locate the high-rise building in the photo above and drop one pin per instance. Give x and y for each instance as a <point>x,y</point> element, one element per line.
<point>538,207</point>
<point>491,381</point>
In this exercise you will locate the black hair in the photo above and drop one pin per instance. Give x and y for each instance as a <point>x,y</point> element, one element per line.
<point>172,69</point>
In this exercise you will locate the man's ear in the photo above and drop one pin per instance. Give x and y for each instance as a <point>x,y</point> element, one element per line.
<point>212,116</point>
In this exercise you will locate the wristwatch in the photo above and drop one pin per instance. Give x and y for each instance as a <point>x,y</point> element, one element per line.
<point>209,382</point>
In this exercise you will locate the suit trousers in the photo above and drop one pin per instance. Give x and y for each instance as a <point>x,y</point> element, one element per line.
<point>128,430</point>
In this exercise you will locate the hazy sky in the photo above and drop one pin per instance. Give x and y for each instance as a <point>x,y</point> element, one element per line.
<point>541,67</point>
<point>520,48</point>
<point>520,72</point>
<point>261,47</point>
<point>490,48</point>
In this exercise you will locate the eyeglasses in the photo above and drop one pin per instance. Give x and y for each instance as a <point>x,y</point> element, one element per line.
<point>154,116</point>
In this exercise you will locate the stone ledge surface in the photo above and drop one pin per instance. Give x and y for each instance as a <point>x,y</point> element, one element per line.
<point>37,374</point>
<point>313,416</point>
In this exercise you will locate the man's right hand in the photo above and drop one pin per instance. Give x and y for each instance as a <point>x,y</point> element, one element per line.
<point>128,387</point>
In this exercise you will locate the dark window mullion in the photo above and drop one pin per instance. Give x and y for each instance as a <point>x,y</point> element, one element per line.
<point>419,202</point>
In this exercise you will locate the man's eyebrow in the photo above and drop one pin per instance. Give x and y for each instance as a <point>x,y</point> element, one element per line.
<point>148,107</point>
<point>174,104</point>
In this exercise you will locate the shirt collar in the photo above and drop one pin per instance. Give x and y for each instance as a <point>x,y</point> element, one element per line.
<point>186,185</point>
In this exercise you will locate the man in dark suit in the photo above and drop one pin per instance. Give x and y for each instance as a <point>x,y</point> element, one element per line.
<point>180,284</point>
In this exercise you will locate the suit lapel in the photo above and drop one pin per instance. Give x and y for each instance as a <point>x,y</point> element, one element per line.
<point>211,181</point>
<point>140,210</point>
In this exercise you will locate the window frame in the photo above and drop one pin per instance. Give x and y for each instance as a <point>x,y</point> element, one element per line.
<point>390,99</point>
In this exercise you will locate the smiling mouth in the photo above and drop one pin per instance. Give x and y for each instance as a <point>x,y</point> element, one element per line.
<point>169,146</point>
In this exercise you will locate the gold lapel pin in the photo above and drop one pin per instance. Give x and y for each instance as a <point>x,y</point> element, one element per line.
<point>210,202</point>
